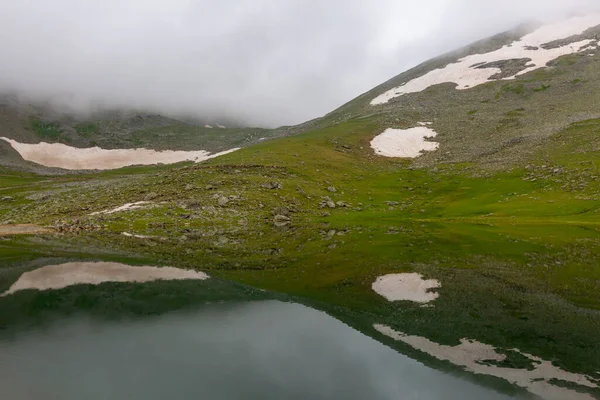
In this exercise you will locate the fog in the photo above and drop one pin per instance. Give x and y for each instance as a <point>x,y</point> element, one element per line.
<point>261,62</point>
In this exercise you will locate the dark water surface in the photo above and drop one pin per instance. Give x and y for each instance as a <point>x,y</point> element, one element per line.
<point>266,350</point>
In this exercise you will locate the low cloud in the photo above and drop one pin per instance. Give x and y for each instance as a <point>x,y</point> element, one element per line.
<point>262,62</point>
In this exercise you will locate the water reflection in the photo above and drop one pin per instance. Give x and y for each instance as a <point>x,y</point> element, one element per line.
<point>267,350</point>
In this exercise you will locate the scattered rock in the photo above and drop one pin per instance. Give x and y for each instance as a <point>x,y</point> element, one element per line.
<point>272,185</point>
<point>281,220</point>
<point>332,189</point>
<point>38,196</point>
<point>223,201</point>
<point>7,198</point>
<point>74,227</point>
<point>222,241</point>
<point>150,196</point>
<point>282,211</point>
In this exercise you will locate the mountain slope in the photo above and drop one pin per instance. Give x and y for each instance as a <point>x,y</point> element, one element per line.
<point>504,215</point>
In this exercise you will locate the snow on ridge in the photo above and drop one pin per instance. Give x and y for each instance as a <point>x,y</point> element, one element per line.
<point>59,155</point>
<point>465,75</point>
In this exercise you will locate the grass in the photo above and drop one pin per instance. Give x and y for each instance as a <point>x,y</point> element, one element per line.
<point>516,251</point>
<point>87,129</point>
<point>46,130</point>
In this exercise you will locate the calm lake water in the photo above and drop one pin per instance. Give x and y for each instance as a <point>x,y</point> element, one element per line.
<point>266,350</point>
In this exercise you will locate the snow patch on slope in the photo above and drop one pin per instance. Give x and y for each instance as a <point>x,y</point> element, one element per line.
<point>59,155</point>
<point>466,75</point>
<point>124,207</point>
<point>404,143</point>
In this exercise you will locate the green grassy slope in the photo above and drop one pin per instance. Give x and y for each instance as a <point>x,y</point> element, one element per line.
<point>516,251</point>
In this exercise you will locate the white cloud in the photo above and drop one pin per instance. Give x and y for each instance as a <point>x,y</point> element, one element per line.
<point>266,62</point>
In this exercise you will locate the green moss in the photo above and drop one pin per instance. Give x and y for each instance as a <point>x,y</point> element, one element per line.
<point>542,88</point>
<point>46,130</point>
<point>87,129</point>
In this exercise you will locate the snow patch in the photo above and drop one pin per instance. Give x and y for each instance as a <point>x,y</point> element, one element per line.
<point>95,273</point>
<point>59,155</point>
<point>408,287</point>
<point>208,126</point>
<point>404,143</point>
<point>221,126</point>
<point>465,74</point>
<point>124,207</point>
<point>472,355</point>
<point>131,235</point>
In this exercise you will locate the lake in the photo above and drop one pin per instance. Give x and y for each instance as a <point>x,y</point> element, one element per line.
<point>256,350</point>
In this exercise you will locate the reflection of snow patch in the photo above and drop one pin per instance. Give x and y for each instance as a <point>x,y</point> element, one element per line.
<point>465,74</point>
<point>124,207</point>
<point>409,287</point>
<point>404,143</point>
<point>8,230</point>
<point>95,273</point>
<point>472,355</point>
<point>62,156</point>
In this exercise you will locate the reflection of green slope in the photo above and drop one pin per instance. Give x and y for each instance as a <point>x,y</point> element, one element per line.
<point>113,300</point>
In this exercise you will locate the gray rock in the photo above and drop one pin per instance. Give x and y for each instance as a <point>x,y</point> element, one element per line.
<point>223,201</point>
<point>7,198</point>
<point>272,185</point>
<point>281,220</point>
<point>332,189</point>
<point>150,196</point>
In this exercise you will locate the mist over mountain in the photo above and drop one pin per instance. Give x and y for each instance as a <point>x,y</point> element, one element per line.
<point>259,63</point>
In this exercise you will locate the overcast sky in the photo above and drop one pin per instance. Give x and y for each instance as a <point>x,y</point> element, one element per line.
<point>266,62</point>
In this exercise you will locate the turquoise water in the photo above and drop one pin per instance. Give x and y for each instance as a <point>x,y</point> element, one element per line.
<point>265,350</point>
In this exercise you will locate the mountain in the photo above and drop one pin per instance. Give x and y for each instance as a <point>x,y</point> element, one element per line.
<point>459,200</point>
